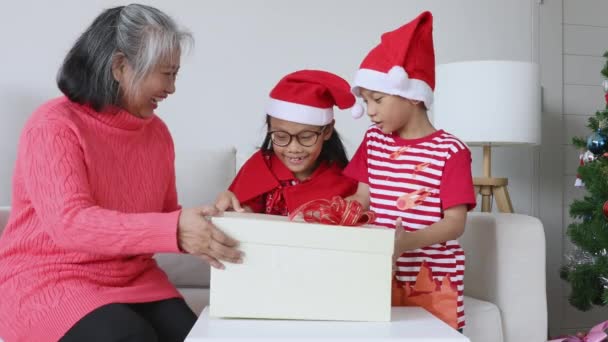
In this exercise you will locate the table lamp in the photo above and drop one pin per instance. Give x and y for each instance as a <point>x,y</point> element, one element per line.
<point>489,103</point>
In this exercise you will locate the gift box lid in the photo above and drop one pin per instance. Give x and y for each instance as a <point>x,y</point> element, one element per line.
<point>279,230</point>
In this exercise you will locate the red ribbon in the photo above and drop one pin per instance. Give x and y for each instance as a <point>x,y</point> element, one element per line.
<point>336,211</point>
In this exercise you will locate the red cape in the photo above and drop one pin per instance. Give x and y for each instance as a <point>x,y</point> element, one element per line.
<point>259,176</point>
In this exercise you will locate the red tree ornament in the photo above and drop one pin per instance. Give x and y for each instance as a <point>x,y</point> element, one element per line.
<point>605,209</point>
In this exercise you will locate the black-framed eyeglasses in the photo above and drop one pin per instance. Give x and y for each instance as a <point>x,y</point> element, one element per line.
<point>304,138</point>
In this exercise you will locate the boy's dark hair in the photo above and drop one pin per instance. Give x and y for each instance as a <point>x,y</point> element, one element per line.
<point>333,150</point>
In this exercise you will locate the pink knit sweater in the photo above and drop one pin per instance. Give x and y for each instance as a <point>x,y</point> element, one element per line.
<point>93,197</point>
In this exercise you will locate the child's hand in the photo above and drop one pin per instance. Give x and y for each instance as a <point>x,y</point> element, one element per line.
<point>399,236</point>
<point>227,200</point>
<point>361,195</point>
<point>356,198</point>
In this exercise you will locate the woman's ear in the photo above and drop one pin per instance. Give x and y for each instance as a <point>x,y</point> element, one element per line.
<point>329,130</point>
<point>119,66</point>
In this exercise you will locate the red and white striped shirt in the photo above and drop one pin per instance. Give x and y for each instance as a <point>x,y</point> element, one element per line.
<point>417,179</point>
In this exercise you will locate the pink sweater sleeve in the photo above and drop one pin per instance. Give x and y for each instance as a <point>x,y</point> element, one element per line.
<point>56,181</point>
<point>171,203</point>
<point>171,200</point>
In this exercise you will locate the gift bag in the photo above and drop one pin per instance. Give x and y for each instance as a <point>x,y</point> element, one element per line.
<point>598,333</point>
<point>438,298</point>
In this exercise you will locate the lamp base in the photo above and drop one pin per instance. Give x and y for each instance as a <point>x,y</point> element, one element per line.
<point>496,187</point>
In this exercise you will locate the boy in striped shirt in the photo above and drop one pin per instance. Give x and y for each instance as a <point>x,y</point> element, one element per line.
<point>416,178</point>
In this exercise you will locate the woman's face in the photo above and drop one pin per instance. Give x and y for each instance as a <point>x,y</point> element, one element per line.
<point>299,159</point>
<point>141,99</point>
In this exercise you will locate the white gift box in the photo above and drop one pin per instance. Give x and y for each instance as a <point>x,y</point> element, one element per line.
<point>298,270</point>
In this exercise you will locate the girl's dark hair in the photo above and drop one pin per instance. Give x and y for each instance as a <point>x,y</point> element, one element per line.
<point>143,34</point>
<point>333,150</point>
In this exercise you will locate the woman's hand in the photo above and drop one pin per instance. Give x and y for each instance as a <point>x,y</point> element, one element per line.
<point>227,200</point>
<point>197,235</point>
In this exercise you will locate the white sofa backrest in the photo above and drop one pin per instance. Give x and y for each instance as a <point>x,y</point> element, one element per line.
<point>201,174</point>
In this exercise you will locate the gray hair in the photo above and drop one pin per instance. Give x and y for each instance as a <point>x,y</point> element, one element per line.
<point>143,34</point>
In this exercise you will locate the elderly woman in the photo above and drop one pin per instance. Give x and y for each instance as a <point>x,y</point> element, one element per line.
<point>94,196</point>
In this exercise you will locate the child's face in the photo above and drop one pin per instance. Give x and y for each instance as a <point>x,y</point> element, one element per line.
<point>390,113</point>
<point>299,159</point>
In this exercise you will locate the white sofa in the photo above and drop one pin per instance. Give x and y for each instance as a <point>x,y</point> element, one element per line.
<point>505,296</point>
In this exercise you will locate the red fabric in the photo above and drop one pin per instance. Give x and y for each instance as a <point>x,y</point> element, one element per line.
<point>264,176</point>
<point>410,46</point>
<point>437,297</point>
<point>336,211</point>
<point>456,186</point>
<point>256,178</point>
<point>457,181</point>
<point>93,197</point>
<point>314,88</point>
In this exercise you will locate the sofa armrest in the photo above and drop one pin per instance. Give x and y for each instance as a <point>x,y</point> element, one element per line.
<point>505,265</point>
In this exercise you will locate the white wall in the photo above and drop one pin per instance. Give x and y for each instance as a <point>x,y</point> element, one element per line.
<point>551,161</point>
<point>243,48</point>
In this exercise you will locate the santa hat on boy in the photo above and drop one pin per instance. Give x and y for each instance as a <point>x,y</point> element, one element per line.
<point>308,97</point>
<point>402,64</point>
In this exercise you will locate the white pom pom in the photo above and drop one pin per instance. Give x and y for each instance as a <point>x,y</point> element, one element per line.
<point>398,77</point>
<point>357,111</point>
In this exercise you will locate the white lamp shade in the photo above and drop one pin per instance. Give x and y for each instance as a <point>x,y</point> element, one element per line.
<point>489,102</point>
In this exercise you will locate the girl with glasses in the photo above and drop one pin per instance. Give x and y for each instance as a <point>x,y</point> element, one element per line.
<point>302,156</point>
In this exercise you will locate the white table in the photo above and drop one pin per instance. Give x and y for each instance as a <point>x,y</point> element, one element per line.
<point>408,324</point>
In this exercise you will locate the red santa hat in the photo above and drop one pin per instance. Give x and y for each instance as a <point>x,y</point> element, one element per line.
<point>402,64</point>
<point>308,97</point>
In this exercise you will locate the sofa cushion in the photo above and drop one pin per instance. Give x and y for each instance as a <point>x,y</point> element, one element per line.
<point>196,298</point>
<point>483,321</point>
<point>184,270</point>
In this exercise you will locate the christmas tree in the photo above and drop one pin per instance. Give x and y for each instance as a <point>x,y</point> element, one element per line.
<point>586,269</point>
